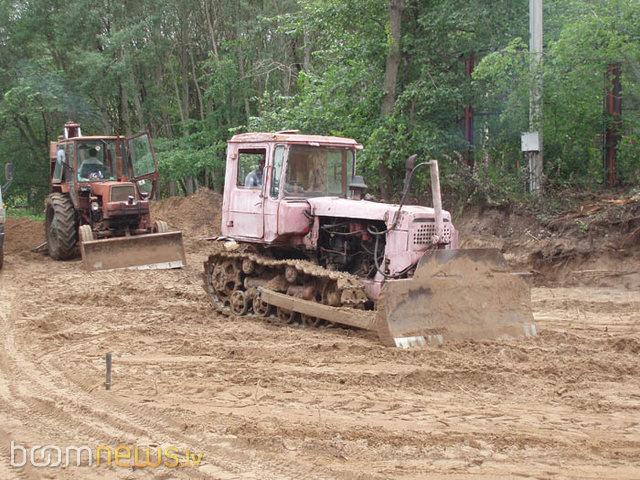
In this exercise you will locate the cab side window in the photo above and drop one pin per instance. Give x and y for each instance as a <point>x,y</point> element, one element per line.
<point>69,151</point>
<point>61,158</point>
<point>250,172</point>
<point>278,159</point>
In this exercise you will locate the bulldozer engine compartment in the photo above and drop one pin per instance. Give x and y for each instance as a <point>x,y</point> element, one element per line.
<point>349,246</point>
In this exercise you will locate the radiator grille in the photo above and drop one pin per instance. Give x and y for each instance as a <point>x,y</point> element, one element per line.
<point>120,193</point>
<point>424,232</point>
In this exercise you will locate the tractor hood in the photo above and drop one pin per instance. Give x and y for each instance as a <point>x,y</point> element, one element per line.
<point>118,199</point>
<point>366,210</point>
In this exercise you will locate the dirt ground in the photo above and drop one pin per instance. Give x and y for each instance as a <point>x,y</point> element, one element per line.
<point>266,401</point>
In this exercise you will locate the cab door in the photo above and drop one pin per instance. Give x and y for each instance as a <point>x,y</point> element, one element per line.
<point>244,209</point>
<point>143,163</point>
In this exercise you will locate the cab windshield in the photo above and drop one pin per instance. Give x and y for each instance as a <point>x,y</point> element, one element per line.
<point>96,160</point>
<point>318,171</point>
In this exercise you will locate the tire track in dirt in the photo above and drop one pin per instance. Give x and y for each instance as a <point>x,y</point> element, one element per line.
<point>224,462</point>
<point>41,409</point>
<point>333,403</point>
<point>38,408</point>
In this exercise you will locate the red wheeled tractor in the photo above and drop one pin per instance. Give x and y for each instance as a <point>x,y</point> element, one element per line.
<point>99,202</point>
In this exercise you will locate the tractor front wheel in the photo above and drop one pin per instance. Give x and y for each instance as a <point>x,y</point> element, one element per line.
<point>160,226</point>
<point>61,227</point>
<point>86,234</point>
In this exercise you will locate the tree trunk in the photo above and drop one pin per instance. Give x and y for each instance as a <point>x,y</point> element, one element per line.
<point>390,78</point>
<point>126,117</point>
<point>136,100</point>
<point>181,182</point>
<point>247,109</point>
<point>306,61</point>
<point>212,35</point>
<point>186,90</point>
<point>124,98</point>
<point>178,98</point>
<point>197,84</point>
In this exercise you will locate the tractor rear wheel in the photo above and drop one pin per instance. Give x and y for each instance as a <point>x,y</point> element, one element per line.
<point>61,227</point>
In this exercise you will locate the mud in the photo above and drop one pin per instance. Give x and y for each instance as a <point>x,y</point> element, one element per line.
<point>268,401</point>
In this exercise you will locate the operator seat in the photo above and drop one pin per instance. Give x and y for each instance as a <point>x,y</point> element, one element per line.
<point>89,166</point>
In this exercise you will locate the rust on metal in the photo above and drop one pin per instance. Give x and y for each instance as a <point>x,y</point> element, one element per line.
<point>345,316</point>
<point>101,187</point>
<point>302,246</point>
<point>457,295</point>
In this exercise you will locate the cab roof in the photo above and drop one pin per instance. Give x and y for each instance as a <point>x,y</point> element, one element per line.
<point>292,137</point>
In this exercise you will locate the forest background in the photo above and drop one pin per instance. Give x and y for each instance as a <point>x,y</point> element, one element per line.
<point>392,74</point>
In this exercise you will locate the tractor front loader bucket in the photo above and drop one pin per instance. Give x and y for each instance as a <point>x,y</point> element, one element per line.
<point>455,295</point>
<point>143,252</point>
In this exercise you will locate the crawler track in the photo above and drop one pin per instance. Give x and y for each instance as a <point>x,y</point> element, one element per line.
<point>233,281</point>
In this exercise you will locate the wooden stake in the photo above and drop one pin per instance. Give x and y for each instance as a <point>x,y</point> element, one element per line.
<point>108,381</point>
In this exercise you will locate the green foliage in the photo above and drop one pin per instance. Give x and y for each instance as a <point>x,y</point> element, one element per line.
<point>584,38</point>
<point>194,72</point>
<point>188,156</point>
<point>22,213</point>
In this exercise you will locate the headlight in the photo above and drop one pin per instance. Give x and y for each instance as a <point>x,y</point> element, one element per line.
<point>95,207</point>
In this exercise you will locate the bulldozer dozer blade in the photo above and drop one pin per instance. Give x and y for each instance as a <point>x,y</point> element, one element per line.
<point>143,252</point>
<point>455,295</point>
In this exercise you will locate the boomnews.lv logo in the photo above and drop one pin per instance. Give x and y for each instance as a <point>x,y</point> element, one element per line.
<point>124,456</point>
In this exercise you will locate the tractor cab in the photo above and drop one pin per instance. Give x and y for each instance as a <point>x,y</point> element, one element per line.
<point>96,160</point>
<point>78,161</point>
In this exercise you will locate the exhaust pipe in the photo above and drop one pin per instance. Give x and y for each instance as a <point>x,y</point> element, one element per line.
<point>437,200</point>
<point>410,168</point>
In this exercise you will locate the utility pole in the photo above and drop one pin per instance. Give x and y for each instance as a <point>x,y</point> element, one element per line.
<point>535,149</point>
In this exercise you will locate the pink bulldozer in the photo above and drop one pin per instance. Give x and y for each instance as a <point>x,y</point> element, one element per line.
<point>300,240</point>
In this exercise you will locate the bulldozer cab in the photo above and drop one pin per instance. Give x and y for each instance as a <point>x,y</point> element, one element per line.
<point>316,171</point>
<point>268,176</point>
<point>246,187</point>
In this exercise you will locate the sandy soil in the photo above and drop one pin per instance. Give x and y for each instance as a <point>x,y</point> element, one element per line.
<point>595,241</point>
<point>263,400</point>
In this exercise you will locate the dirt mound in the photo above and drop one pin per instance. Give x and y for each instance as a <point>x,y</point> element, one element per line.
<point>22,234</point>
<point>595,242</point>
<point>197,215</point>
